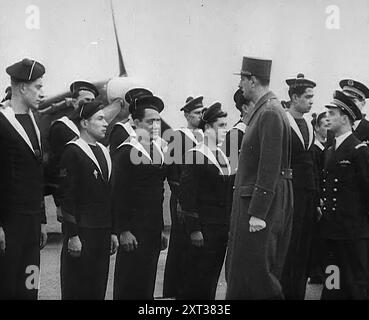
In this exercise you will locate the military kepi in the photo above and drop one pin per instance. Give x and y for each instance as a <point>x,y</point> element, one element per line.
<point>26,70</point>
<point>300,81</point>
<point>346,105</point>
<point>192,104</point>
<point>260,68</point>
<point>77,86</point>
<point>354,88</point>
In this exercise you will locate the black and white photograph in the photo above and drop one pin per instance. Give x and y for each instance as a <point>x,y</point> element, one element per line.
<point>170,151</point>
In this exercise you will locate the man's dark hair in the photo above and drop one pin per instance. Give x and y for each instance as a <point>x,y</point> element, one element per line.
<point>298,90</point>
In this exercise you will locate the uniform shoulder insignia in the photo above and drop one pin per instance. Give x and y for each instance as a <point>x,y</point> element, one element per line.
<point>363,144</point>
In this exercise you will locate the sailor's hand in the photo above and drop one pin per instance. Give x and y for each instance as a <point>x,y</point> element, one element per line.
<point>74,247</point>
<point>256,224</point>
<point>43,236</point>
<point>128,241</point>
<point>114,244</point>
<point>197,239</point>
<point>2,240</point>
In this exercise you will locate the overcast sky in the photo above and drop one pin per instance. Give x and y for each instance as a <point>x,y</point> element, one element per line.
<point>192,47</point>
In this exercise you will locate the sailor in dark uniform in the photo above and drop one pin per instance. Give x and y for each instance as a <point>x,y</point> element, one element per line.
<point>203,196</point>
<point>358,92</point>
<point>22,211</point>
<point>295,272</point>
<point>345,222</point>
<point>137,203</point>
<point>89,238</point>
<point>122,128</point>
<point>183,140</point>
<point>64,130</point>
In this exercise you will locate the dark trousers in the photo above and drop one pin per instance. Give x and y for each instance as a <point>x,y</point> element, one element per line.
<point>318,256</point>
<point>135,271</point>
<point>174,265</point>
<point>86,277</point>
<point>20,264</point>
<point>351,258</point>
<point>296,268</point>
<point>204,264</point>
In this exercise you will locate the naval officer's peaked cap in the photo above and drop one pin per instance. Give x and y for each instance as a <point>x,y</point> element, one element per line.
<point>354,88</point>
<point>345,104</point>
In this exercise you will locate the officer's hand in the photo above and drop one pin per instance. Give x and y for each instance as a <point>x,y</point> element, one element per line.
<point>128,241</point>
<point>256,224</point>
<point>164,242</point>
<point>197,239</point>
<point>43,236</point>
<point>114,244</point>
<point>2,240</point>
<point>74,247</point>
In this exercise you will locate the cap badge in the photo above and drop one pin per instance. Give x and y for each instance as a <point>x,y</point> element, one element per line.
<point>350,83</point>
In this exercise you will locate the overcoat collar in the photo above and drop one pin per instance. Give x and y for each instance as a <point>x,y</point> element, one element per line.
<point>202,148</point>
<point>265,98</point>
<point>9,114</point>
<point>296,129</point>
<point>70,124</point>
<point>87,150</point>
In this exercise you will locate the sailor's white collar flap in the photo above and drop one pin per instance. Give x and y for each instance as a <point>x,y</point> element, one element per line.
<point>202,148</point>
<point>87,150</point>
<point>319,144</point>
<point>138,146</point>
<point>133,142</point>
<point>128,127</point>
<point>70,124</point>
<point>295,128</point>
<point>189,134</point>
<point>9,114</point>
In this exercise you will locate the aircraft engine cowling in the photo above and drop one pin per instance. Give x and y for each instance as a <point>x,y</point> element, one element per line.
<point>119,86</point>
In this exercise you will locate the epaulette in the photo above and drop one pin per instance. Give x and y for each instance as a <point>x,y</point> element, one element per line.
<point>363,144</point>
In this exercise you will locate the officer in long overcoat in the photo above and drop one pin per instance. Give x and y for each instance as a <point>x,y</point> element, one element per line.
<point>262,201</point>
